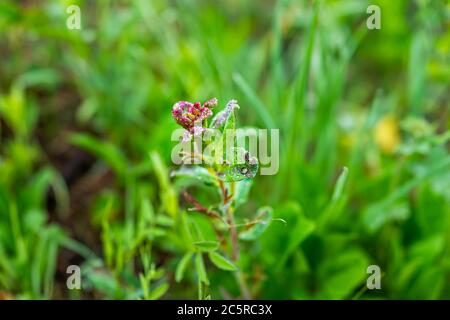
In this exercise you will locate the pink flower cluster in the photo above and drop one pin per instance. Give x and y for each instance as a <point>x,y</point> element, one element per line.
<point>190,115</point>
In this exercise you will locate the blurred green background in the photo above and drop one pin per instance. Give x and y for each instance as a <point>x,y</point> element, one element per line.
<point>85,125</point>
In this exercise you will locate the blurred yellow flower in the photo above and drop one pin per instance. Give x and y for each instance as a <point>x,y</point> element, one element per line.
<point>386,134</point>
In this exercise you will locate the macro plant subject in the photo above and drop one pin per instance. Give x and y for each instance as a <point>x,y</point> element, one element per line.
<point>230,177</point>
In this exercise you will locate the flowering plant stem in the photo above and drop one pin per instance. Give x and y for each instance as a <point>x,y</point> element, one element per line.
<point>232,227</point>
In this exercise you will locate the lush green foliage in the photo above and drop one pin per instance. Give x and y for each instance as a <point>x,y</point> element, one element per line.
<point>86,175</point>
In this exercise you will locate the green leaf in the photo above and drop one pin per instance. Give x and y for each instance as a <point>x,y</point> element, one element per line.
<point>226,119</point>
<point>104,282</point>
<point>39,186</point>
<point>302,228</point>
<point>241,192</point>
<point>230,124</point>
<point>34,220</point>
<point>341,274</point>
<point>168,195</point>
<point>255,101</point>
<point>195,174</point>
<point>428,249</point>
<point>339,187</point>
<point>420,287</point>
<point>241,166</point>
<point>159,291</point>
<point>433,170</point>
<point>105,151</point>
<point>78,247</point>
<point>179,272</point>
<point>45,77</point>
<point>432,211</point>
<point>201,271</point>
<point>331,213</point>
<point>16,112</point>
<point>146,215</point>
<point>415,277</point>
<point>221,262</point>
<point>206,245</point>
<point>374,219</point>
<point>263,219</point>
